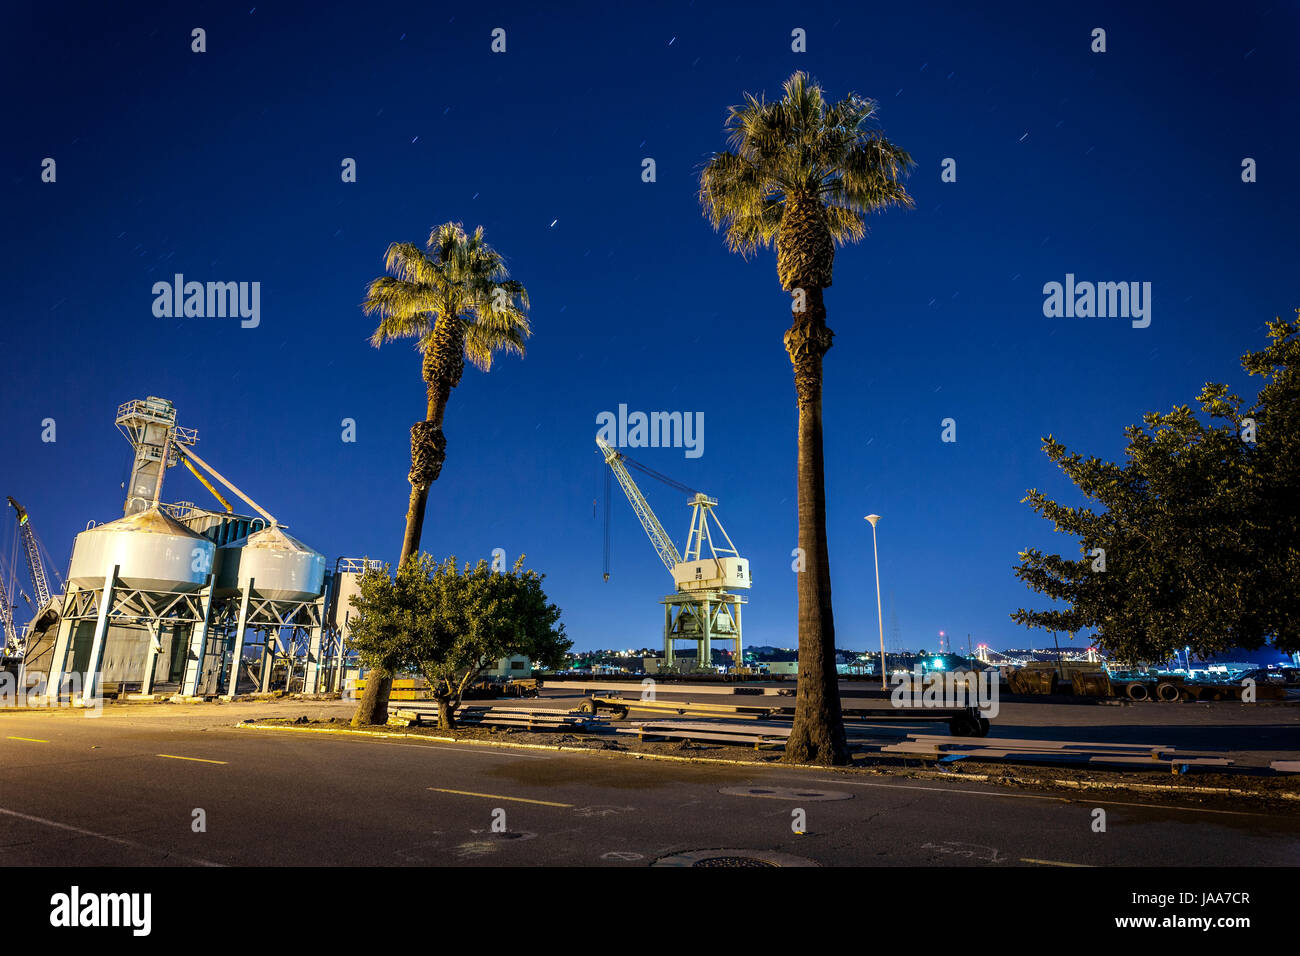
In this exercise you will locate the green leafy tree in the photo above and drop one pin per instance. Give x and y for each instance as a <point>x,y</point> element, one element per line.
<point>803,174</point>
<point>451,623</point>
<point>457,301</point>
<point>388,610</point>
<point>1194,541</point>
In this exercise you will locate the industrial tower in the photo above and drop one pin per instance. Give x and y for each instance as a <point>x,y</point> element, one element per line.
<point>150,426</point>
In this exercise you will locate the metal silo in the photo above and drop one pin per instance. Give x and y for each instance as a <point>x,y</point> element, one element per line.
<point>153,552</point>
<point>281,567</point>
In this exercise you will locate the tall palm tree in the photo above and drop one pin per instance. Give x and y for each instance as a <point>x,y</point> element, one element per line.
<point>457,300</point>
<point>804,173</point>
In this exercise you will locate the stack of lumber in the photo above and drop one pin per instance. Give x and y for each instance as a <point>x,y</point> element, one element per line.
<point>404,688</point>
<point>738,735</point>
<point>523,718</point>
<point>538,718</point>
<point>947,749</point>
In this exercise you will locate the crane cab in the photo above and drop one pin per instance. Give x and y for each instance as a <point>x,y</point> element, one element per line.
<point>712,573</point>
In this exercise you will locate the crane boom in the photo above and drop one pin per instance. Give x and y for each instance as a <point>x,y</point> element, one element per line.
<point>33,552</point>
<point>663,544</point>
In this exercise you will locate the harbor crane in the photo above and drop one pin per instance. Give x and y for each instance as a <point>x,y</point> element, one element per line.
<point>45,602</point>
<point>32,549</point>
<point>703,607</point>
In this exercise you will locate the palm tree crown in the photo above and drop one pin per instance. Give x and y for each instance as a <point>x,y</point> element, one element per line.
<point>458,302</point>
<point>805,173</point>
<point>460,277</point>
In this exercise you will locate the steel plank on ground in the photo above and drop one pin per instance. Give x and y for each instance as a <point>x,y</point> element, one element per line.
<point>1053,744</point>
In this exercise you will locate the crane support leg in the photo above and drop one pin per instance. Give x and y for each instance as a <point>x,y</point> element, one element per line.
<point>704,656</point>
<point>668,636</point>
<point>740,653</point>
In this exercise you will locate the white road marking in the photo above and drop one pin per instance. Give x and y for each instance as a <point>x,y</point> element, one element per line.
<point>1025,859</point>
<point>104,836</point>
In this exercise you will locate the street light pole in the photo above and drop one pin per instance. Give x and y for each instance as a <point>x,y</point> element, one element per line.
<point>879,614</point>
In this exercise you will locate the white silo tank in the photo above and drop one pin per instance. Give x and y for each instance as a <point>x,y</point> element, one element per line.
<point>153,552</point>
<point>281,567</point>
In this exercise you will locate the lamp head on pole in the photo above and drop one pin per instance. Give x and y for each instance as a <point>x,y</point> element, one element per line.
<point>873,519</point>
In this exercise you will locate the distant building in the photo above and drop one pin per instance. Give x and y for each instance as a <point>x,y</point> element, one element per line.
<point>509,668</point>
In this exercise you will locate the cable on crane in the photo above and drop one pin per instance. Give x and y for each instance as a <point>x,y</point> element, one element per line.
<point>645,470</point>
<point>608,473</point>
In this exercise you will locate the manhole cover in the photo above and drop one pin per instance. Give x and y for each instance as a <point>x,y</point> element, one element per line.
<point>733,857</point>
<point>787,793</point>
<point>732,861</point>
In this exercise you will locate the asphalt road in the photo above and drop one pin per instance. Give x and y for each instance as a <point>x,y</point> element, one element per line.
<point>126,788</point>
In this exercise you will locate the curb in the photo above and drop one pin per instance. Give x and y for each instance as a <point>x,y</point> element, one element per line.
<point>520,746</point>
<point>915,774</point>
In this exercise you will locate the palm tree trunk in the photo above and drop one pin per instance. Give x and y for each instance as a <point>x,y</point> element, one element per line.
<point>428,451</point>
<point>414,523</point>
<point>817,736</point>
<point>373,708</point>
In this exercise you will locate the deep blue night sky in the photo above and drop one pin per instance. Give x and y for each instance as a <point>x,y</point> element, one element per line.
<point>1122,166</point>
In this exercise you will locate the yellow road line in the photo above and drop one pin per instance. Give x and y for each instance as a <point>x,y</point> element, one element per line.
<point>495,796</point>
<point>1025,859</point>
<point>195,759</point>
<point>31,740</point>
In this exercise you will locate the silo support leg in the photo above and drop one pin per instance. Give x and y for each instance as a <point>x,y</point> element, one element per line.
<point>151,657</point>
<point>311,679</point>
<point>92,687</point>
<point>198,643</point>
<point>59,659</point>
<point>336,685</point>
<point>237,658</point>
<point>268,663</point>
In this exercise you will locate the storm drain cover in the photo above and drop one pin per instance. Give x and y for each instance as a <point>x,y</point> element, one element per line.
<point>733,858</point>
<point>732,861</point>
<point>787,793</point>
